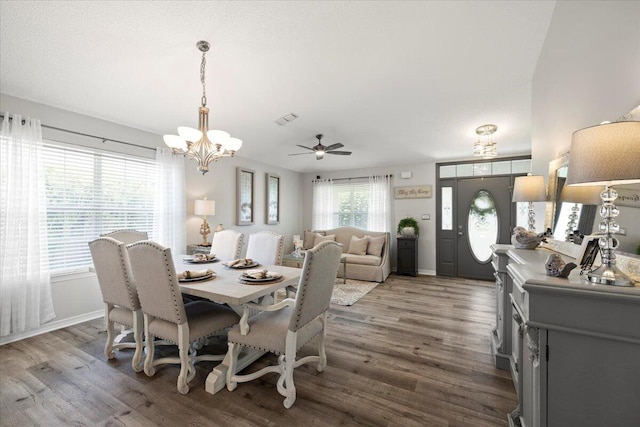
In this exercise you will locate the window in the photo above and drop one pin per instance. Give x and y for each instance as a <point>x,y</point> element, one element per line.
<point>350,205</point>
<point>89,193</point>
<point>365,205</point>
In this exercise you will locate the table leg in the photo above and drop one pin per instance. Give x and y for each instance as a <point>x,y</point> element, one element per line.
<point>344,272</point>
<point>217,379</point>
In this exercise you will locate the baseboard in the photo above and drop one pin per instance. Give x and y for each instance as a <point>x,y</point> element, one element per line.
<point>427,272</point>
<point>52,326</point>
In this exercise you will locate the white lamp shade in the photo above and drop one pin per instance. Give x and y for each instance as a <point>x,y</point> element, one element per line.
<point>529,188</point>
<point>175,141</point>
<point>234,144</point>
<point>219,137</point>
<point>605,155</point>
<point>190,134</point>
<point>585,194</point>
<point>205,207</point>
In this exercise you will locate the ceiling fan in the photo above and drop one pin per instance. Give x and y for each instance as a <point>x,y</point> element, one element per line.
<point>320,150</point>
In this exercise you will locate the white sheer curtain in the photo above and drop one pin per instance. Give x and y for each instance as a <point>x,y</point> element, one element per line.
<point>379,213</point>
<point>322,204</point>
<point>25,286</point>
<point>169,219</point>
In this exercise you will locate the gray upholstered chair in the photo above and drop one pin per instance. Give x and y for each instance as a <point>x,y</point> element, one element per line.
<point>266,247</point>
<point>127,236</point>
<point>286,326</point>
<point>167,317</point>
<point>121,305</point>
<point>227,244</point>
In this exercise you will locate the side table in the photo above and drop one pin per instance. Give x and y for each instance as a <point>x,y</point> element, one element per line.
<point>290,260</point>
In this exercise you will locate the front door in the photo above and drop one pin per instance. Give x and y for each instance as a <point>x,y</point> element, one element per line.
<point>483,207</point>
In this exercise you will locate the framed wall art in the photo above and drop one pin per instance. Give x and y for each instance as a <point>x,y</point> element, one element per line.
<point>273,199</point>
<point>244,193</point>
<point>414,192</point>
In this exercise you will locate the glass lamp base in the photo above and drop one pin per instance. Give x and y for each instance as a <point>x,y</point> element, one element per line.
<point>609,275</point>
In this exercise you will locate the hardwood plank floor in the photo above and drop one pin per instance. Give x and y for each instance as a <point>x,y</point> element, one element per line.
<point>412,352</point>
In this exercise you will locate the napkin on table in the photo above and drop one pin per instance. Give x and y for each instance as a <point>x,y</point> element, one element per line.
<point>242,262</point>
<point>203,257</point>
<point>261,274</point>
<point>188,274</point>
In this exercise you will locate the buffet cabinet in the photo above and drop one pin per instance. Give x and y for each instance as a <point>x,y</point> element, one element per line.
<point>575,347</point>
<point>501,334</point>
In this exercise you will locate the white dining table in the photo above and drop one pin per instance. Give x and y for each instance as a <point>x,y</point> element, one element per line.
<point>225,288</point>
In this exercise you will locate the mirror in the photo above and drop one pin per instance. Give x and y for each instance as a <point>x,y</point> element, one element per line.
<point>557,213</point>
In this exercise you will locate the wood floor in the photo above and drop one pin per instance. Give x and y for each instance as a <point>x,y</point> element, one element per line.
<point>413,352</point>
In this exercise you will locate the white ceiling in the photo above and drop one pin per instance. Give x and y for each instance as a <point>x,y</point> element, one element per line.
<point>395,82</point>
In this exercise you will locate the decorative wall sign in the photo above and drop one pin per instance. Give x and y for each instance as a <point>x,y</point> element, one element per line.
<point>413,192</point>
<point>244,194</point>
<point>273,198</point>
<point>628,197</point>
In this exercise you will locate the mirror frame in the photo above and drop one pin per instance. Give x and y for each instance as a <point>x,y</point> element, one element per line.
<point>552,188</point>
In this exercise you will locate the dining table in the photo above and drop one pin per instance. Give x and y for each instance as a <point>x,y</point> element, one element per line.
<point>225,287</point>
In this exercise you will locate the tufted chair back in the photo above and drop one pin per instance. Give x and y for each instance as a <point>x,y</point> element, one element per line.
<point>127,236</point>
<point>227,244</point>
<point>266,247</point>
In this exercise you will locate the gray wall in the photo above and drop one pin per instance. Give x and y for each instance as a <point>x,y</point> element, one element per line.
<point>77,297</point>
<point>219,184</point>
<point>422,174</point>
<point>587,73</point>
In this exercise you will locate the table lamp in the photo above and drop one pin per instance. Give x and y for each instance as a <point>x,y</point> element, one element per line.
<point>585,195</point>
<point>530,189</point>
<point>205,207</point>
<point>606,155</point>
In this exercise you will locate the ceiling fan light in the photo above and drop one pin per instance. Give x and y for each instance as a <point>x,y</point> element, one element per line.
<point>175,142</point>
<point>319,154</point>
<point>189,134</point>
<point>234,144</point>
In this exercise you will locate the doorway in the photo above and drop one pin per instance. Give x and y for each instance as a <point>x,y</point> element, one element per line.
<point>473,213</point>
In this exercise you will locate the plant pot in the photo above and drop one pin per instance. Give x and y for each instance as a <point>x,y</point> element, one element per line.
<point>408,232</point>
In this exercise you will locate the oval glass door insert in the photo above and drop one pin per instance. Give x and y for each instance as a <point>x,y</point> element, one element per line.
<point>482,226</point>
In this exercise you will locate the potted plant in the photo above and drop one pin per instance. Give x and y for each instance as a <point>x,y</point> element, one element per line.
<point>408,227</point>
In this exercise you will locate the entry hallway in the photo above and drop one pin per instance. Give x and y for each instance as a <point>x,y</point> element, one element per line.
<point>415,351</point>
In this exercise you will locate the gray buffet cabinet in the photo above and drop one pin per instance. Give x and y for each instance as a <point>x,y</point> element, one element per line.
<point>573,348</point>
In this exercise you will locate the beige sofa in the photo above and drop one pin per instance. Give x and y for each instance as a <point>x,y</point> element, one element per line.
<point>359,267</point>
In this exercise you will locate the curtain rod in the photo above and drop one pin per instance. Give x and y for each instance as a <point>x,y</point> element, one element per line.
<point>353,177</point>
<point>88,135</point>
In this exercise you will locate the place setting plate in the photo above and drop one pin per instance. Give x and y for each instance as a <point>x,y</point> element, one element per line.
<point>248,280</point>
<point>197,279</point>
<point>200,261</point>
<point>242,267</point>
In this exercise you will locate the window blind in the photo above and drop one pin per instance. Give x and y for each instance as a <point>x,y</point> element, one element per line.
<point>90,192</point>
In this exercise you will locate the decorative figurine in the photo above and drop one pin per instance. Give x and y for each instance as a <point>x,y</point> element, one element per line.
<point>524,239</point>
<point>556,266</point>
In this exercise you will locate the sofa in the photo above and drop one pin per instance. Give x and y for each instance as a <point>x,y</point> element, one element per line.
<point>373,266</point>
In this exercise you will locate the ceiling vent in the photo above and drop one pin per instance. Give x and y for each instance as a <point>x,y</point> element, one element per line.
<point>286,119</point>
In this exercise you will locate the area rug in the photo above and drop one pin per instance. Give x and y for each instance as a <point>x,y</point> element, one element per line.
<point>345,293</point>
<point>350,292</point>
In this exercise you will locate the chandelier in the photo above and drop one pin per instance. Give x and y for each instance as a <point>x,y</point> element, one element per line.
<point>203,145</point>
<point>485,147</point>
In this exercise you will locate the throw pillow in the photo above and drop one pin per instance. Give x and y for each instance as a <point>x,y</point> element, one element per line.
<point>358,246</point>
<point>309,238</point>
<point>319,239</point>
<point>375,245</point>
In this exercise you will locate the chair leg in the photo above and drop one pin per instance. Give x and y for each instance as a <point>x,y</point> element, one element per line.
<point>289,365</point>
<point>183,349</point>
<point>149,349</point>
<point>321,352</point>
<point>108,347</point>
<point>233,351</point>
<point>138,337</point>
